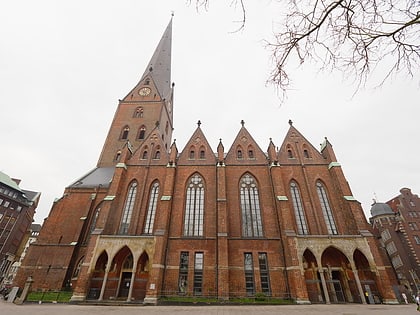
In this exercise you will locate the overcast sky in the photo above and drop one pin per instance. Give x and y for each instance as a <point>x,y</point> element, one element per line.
<point>65,64</point>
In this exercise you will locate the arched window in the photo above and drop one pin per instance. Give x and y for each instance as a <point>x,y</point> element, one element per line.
<point>299,211</point>
<point>94,220</point>
<point>239,153</point>
<point>128,208</point>
<point>251,153</point>
<point>306,153</point>
<point>151,211</point>
<point>144,155</point>
<point>202,153</point>
<point>192,154</point>
<point>118,156</point>
<point>124,134</point>
<point>194,207</point>
<point>250,207</point>
<point>138,112</point>
<point>289,152</point>
<point>157,155</point>
<point>78,267</point>
<point>142,132</point>
<point>326,209</point>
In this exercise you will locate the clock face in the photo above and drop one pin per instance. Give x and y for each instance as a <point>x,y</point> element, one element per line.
<point>144,91</point>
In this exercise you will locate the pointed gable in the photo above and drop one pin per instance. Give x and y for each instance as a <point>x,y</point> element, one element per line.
<point>296,149</point>
<point>152,151</point>
<point>197,151</point>
<point>245,150</point>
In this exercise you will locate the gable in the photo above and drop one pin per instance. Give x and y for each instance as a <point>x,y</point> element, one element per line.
<point>245,150</point>
<point>151,152</point>
<point>197,151</point>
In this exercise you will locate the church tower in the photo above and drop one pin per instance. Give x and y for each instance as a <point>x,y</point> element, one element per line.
<point>146,107</point>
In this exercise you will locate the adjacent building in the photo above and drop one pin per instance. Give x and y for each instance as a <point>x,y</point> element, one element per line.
<point>397,225</point>
<point>17,209</point>
<point>152,220</point>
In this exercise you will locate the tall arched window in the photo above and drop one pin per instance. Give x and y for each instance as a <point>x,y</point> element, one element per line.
<point>142,132</point>
<point>299,211</point>
<point>128,208</point>
<point>326,209</point>
<point>250,207</point>
<point>194,207</point>
<point>151,211</point>
<point>138,112</point>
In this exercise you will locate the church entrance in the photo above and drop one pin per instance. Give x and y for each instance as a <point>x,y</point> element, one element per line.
<point>125,284</point>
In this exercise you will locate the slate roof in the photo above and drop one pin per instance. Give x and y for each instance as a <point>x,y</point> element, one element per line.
<point>98,176</point>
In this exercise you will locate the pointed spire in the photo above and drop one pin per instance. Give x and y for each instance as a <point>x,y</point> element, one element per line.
<point>159,67</point>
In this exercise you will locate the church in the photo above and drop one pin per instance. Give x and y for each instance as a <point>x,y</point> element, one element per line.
<point>152,220</point>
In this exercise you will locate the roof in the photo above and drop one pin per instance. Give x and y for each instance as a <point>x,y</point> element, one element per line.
<point>159,67</point>
<point>379,208</point>
<point>6,180</point>
<point>100,176</point>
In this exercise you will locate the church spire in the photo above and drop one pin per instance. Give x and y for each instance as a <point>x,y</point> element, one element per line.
<point>159,67</point>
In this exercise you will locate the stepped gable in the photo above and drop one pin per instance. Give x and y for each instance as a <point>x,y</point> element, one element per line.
<point>197,151</point>
<point>296,149</point>
<point>245,150</point>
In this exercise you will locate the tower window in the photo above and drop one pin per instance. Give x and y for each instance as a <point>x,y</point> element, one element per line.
<point>138,112</point>
<point>142,133</point>
<point>124,134</point>
<point>167,127</point>
<point>118,156</point>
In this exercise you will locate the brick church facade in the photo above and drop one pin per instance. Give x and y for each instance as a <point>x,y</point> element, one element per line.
<point>151,220</point>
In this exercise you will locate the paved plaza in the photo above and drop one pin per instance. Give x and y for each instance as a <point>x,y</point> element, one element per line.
<point>341,309</point>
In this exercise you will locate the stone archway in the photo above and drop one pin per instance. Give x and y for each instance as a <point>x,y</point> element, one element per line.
<point>367,278</point>
<point>141,277</point>
<point>98,276</point>
<point>312,278</point>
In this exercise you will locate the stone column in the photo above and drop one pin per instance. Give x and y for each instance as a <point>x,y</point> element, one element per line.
<point>133,278</point>
<point>359,286</point>
<point>101,295</point>
<point>324,286</point>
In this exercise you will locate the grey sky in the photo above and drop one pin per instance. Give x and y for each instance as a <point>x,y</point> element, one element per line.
<point>65,64</point>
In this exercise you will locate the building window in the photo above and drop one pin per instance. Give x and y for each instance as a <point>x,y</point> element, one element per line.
<point>192,155</point>
<point>289,152</point>
<point>183,272</point>
<point>142,133</point>
<point>250,207</point>
<point>128,208</point>
<point>249,274</point>
<point>306,153</point>
<point>412,204</point>
<point>391,248</point>
<point>202,154</point>
<point>264,276</point>
<point>144,155</point>
<point>138,112</point>
<point>151,211</point>
<point>194,207</point>
<point>239,154</point>
<point>385,235</point>
<point>250,153</point>
<point>198,273</point>
<point>413,226</point>
<point>94,220</point>
<point>124,134</point>
<point>396,261</point>
<point>299,211</point>
<point>417,239</point>
<point>157,155</point>
<point>326,209</point>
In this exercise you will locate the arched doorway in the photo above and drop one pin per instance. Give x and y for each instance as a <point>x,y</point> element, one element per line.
<point>337,271</point>
<point>97,278</point>
<point>312,278</point>
<point>142,277</point>
<point>367,278</point>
